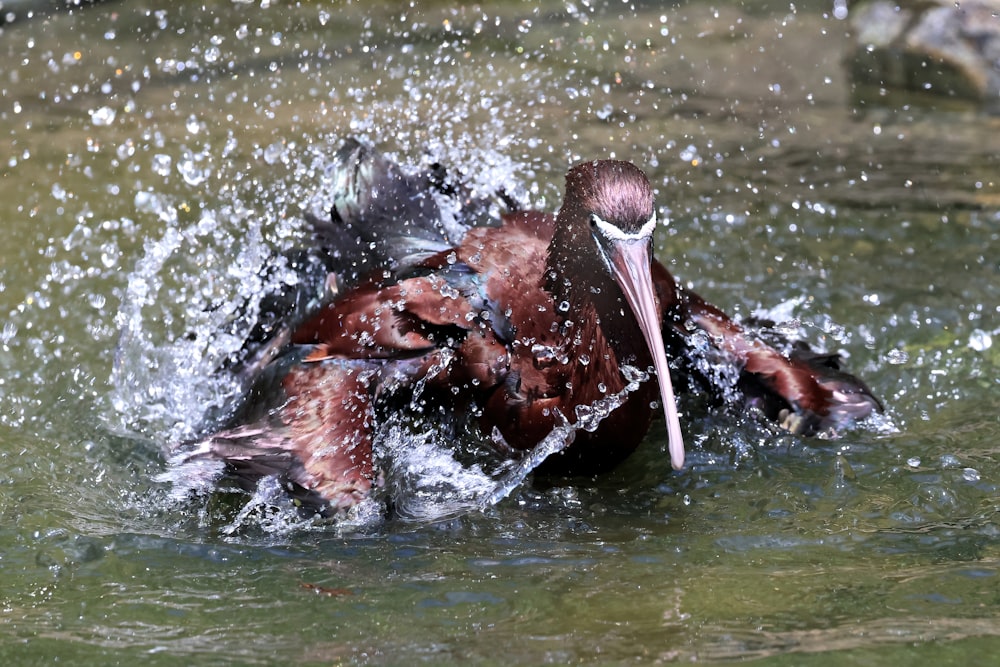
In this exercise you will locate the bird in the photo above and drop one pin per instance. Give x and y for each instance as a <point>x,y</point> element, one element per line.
<point>515,321</point>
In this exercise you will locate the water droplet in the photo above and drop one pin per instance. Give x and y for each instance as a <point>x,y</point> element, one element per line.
<point>837,331</point>
<point>191,170</point>
<point>8,333</point>
<point>125,150</point>
<point>633,374</point>
<point>970,475</point>
<point>103,116</point>
<point>913,461</point>
<point>161,164</point>
<point>212,54</point>
<point>274,152</point>
<point>896,357</point>
<point>788,327</point>
<point>543,354</point>
<point>584,359</point>
<point>949,461</point>
<point>563,306</point>
<point>689,154</point>
<point>109,255</point>
<point>980,340</point>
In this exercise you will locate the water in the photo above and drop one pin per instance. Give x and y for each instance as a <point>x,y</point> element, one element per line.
<point>153,163</point>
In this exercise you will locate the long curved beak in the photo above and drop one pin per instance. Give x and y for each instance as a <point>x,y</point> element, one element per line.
<point>630,263</point>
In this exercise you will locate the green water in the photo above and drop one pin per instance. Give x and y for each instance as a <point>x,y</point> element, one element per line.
<point>165,153</point>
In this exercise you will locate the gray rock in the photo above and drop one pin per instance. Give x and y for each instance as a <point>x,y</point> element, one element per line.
<point>932,46</point>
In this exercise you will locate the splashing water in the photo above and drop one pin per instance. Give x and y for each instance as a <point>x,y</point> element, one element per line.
<point>192,299</point>
<point>269,511</point>
<point>193,295</point>
<point>178,325</point>
<point>561,437</point>
<point>424,478</point>
<point>198,283</point>
<point>215,251</point>
<point>891,533</point>
<point>428,474</point>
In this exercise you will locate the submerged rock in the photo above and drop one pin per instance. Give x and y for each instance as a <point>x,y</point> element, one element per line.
<point>933,46</point>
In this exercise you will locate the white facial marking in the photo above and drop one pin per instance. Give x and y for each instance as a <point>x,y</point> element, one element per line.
<point>614,233</point>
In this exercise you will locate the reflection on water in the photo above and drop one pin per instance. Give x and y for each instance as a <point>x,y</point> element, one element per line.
<point>157,160</point>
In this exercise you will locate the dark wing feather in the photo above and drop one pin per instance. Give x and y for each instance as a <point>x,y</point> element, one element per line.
<point>803,391</point>
<point>382,218</point>
<point>317,442</point>
<point>385,219</point>
<point>382,225</point>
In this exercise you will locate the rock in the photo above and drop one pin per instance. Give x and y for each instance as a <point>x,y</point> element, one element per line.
<point>933,46</point>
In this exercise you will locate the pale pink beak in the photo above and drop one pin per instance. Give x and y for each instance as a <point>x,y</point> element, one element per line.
<point>630,261</point>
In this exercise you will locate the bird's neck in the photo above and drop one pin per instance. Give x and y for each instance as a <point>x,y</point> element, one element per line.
<point>582,288</point>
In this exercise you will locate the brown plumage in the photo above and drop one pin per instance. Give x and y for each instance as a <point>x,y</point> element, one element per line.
<point>521,323</point>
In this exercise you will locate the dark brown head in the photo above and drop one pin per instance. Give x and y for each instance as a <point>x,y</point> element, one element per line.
<point>615,191</point>
<point>601,254</point>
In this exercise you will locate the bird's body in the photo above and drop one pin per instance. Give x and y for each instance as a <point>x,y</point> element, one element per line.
<point>519,325</point>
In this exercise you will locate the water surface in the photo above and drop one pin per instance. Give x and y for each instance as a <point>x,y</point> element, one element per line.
<point>154,161</point>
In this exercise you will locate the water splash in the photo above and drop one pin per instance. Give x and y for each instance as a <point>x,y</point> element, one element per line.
<point>270,512</point>
<point>430,473</point>
<point>194,294</point>
<point>178,325</point>
<point>557,440</point>
<point>425,480</point>
<point>715,365</point>
<point>561,437</point>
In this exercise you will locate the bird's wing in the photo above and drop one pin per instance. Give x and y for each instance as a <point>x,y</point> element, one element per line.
<point>317,442</point>
<point>803,391</point>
